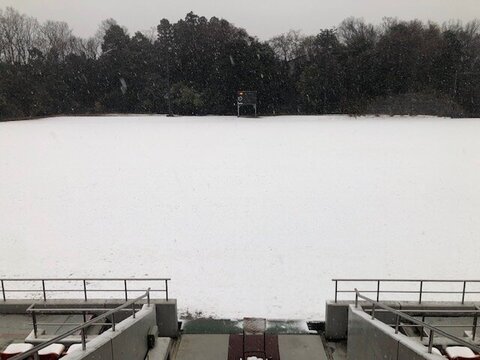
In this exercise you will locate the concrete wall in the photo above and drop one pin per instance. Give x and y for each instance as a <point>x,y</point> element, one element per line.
<point>167,318</point>
<point>372,339</point>
<point>336,314</point>
<point>336,320</point>
<point>127,342</point>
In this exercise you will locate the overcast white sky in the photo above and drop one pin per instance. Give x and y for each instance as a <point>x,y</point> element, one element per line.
<point>262,18</point>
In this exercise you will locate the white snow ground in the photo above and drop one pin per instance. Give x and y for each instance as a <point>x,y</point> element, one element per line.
<point>250,217</point>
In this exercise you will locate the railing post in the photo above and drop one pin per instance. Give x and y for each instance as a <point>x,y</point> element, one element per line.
<point>373,311</point>
<point>84,344</point>
<point>397,324</point>
<point>421,290</point>
<point>336,289</point>
<point>126,292</point>
<point>474,328</point>
<point>378,290</point>
<point>463,292</point>
<point>148,297</point>
<point>3,291</point>
<point>113,322</point>
<point>84,313</point>
<point>85,289</point>
<point>356,298</point>
<point>43,288</point>
<point>430,341</point>
<point>34,323</point>
<point>133,310</point>
<point>166,289</point>
<point>421,328</point>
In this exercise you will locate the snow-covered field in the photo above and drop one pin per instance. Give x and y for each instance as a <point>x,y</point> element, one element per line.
<point>250,217</point>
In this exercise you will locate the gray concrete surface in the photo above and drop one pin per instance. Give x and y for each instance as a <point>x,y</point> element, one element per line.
<point>203,347</point>
<point>372,339</point>
<point>301,347</point>
<point>338,350</point>
<point>128,342</point>
<point>336,313</point>
<point>167,318</point>
<point>14,328</point>
<point>161,349</point>
<point>336,320</point>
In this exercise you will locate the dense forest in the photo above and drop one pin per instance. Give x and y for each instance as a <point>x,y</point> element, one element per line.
<point>196,65</point>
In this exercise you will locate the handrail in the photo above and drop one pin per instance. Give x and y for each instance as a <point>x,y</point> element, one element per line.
<point>84,282</point>
<point>34,351</point>
<point>420,292</point>
<point>400,314</point>
<point>88,279</point>
<point>408,280</point>
<point>65,310</point>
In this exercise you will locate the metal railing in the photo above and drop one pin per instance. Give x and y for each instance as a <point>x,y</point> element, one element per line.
<point>82,328</point>
<point>401,315</point>
<point>445,313</point>
<point>85,312</point>
<point>419,290</point>
<point>46,286</point>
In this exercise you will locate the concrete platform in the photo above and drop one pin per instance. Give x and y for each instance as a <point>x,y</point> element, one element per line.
<point>203,347</point>
<point>215,347</point>
<point>301,347</point>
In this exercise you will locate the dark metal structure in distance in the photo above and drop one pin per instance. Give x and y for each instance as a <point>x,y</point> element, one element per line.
<point>248,98</point>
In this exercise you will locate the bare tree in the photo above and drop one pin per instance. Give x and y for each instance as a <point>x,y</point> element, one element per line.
<point>56,39</point>
<point>102,29</point>
<point>287,46</point>
<point>18,35</point>
<point>354,30</point>
<point>150,34</point>
<point>90,47</point>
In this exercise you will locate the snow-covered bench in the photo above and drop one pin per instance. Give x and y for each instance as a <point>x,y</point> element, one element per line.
<point>14,349</point>
<point>51,352</point>
<point>460,353</point>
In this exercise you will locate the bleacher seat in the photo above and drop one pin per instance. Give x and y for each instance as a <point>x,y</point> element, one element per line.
<point>460,353</point>
<point>52,352</point>
<point>14,349</point>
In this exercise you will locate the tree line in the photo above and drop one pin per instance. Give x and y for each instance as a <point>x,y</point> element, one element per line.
<point>196,65</point>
